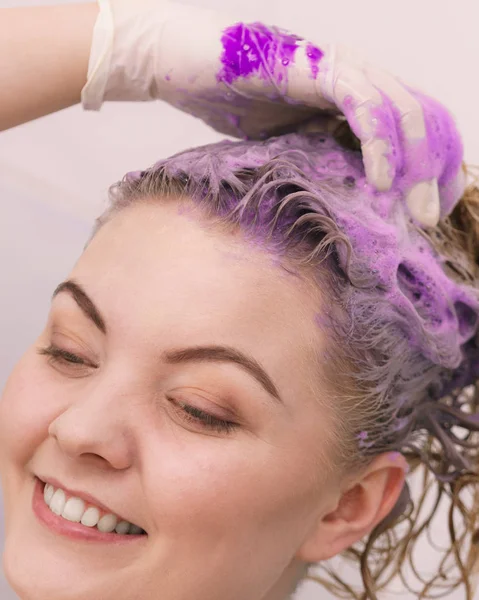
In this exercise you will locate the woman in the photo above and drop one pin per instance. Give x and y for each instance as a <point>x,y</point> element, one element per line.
<point>208,449</point>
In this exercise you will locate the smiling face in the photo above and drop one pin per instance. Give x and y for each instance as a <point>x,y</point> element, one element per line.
<point>225,510</point>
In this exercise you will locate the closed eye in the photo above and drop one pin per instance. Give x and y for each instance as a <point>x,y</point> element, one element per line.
<point>197,416</point>
<point>62,356</point>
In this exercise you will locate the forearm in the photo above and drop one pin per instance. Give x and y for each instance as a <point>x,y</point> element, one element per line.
<point>44,54</point>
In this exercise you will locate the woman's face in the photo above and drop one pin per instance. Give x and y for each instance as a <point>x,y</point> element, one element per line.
<point>225,511</point>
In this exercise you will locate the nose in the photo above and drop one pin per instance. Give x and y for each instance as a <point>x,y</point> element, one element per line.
<point>95,426</point>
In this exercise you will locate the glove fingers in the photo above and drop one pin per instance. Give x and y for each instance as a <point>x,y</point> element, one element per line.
<point>452,191</point>
<point>371,118</point>
<point>423,202</point>
<point>422,196</point>
<point>409,111</point>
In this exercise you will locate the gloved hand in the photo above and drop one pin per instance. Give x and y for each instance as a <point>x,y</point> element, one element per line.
<point>250,80</point>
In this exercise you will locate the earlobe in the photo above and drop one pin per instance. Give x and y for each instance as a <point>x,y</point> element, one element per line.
<point>364,504</point>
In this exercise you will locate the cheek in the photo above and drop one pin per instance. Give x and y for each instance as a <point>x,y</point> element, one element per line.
<point>234,490</point>
<point>26,410</point>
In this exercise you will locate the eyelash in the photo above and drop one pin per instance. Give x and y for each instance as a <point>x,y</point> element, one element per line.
<point>190,413</point>
<point>195,415</point>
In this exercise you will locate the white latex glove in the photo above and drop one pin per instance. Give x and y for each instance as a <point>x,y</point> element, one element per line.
<point>250,80</point>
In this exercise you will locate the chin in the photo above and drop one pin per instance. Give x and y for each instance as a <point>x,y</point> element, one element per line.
<point>21,578</point>
<point>32,578</point>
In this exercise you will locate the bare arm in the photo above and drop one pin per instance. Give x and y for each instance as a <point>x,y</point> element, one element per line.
<point>44,54</point>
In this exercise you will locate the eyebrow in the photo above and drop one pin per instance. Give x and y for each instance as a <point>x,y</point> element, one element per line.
<point>225,354</point>
<point>84,302</point>
<point>211,353</point>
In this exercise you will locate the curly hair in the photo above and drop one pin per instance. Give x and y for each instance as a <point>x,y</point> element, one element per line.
<point>402,325</point>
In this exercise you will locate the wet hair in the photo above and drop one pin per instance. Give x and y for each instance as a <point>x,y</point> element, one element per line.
<point>402,323</point>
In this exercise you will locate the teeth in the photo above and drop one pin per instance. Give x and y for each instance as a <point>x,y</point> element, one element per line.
<point>107,523</point>
<point>123,527</point>
<point>91,517</point>
<point>135,530</point>
<point>74,509</point>
<point>48,493</point>
<point>57,503</point>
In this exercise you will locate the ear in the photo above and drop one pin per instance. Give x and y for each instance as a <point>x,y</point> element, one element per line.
<point>365,501</point>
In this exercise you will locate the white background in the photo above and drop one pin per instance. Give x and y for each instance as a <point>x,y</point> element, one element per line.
<point>54,172</point>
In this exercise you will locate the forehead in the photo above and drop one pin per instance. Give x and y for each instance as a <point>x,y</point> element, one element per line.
<point>158,273</point>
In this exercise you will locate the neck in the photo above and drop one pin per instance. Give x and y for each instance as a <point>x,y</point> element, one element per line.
<point>287,584</point>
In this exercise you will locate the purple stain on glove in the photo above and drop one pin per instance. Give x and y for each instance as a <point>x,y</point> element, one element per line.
<point>254,49</point>
<point>314,55</point>
<point>388,127</point>
<point>441,154</point>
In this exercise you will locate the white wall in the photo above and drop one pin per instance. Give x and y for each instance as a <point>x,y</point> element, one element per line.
<point>54,172</point>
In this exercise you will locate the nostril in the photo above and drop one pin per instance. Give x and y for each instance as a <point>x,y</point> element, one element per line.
<point>466,317</point>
